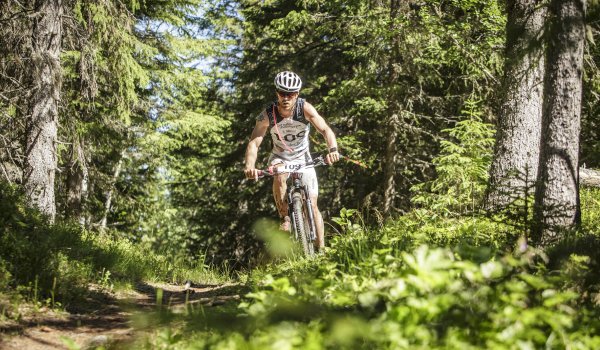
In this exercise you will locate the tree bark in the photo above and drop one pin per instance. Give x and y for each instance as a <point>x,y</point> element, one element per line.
<point>41,136</point>
<point>557,191</point>
<point>514,169</point>
<point>589,177</point>
<point>109,194</point>
<point>389,190</point>
<point>77,183</point>
<point>393,123</point>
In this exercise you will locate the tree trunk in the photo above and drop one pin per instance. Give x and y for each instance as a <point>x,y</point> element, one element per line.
<point>77,183</point>
<point>109,194</point>
<point>389,190</point>
<point>392,125</point>
<point>514,168</point>
<point>41,158</point>
<point>557,192</point>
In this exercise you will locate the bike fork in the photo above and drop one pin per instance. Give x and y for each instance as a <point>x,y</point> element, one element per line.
<point>294,219</point>
<point>311,216</point>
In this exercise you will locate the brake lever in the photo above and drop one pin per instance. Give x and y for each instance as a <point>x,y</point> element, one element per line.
<point>320,160</point>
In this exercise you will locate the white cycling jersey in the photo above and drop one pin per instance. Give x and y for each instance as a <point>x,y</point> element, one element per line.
<point>290,143</point>
<point>290,135</point>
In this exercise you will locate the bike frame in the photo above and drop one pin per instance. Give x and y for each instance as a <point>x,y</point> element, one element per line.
<point>295,187</point>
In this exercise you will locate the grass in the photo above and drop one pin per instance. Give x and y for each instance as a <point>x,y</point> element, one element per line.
<point>420,282</point>
<point>55,264</point>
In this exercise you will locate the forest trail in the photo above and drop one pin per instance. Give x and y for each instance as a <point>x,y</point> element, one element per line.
<point>107,319</point>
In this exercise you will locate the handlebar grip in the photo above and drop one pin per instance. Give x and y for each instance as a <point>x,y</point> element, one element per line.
<point>264,173</point>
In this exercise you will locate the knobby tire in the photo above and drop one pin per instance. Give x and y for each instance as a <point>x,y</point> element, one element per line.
<point>302,224</point>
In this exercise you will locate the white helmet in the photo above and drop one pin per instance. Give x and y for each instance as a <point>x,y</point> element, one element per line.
<point>288,81</point>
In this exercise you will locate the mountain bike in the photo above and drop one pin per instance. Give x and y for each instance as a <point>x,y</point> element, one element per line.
<point>299,203</point>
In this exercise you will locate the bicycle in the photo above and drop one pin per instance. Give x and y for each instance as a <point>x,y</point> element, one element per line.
<point>299,203</point>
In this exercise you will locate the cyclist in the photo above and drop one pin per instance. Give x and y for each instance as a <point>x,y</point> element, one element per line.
<point>289,119</point>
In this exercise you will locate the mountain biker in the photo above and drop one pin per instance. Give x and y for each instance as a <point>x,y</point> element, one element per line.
<point>289,119</point>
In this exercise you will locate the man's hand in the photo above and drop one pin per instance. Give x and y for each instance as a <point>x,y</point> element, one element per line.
<point>251,173</point>
<point>332,157</point>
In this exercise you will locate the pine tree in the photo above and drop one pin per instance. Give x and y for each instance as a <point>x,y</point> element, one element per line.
<point>42,127</point>
<point>557,192</point>
<point>514,170</point>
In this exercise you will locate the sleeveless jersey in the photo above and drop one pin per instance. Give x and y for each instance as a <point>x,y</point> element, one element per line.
<point>293,130</point>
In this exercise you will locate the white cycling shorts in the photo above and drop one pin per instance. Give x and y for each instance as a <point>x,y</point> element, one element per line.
<point>309,176</point>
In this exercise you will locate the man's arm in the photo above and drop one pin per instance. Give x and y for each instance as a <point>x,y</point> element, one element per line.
<point>262,124</point>
<point>311,114</point>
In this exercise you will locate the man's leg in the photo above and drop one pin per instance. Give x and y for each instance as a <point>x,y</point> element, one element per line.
<point>320,242</point>
<point>279,189</point>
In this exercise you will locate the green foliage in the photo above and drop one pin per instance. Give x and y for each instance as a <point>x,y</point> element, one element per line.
<point>147,101</point>
<point>428,298</point>
<point>462,167</point>
<point>363,64</point>
<point>59,261</point>
<point>419,282</point>
<point>345,220</point>
<point>170,89</point>
<point>174,158</point>
<point>105,59</point>
<point>278,244</point>
<point>421,227</point>
<point>590,200</point>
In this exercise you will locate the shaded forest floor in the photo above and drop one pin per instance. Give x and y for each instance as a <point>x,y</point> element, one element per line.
<point>111,320</point>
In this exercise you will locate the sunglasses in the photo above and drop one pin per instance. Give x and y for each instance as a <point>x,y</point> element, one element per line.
<point>285,93</point>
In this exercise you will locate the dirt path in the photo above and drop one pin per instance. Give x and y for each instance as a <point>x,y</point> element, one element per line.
<point>106,319</point>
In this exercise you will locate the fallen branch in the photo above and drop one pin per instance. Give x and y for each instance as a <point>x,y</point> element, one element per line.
<point>589,177</point>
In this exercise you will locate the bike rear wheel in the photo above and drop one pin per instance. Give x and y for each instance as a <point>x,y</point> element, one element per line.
<point>302,224</point>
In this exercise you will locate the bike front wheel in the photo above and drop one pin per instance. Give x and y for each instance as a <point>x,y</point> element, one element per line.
<point>302,224</point>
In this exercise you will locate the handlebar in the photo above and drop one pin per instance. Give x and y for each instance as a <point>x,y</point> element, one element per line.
<point>272,171</point>
<point>317,161</point>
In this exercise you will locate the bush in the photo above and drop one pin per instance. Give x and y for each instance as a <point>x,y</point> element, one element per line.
<point>60,261</point>
<point>422,281</point>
